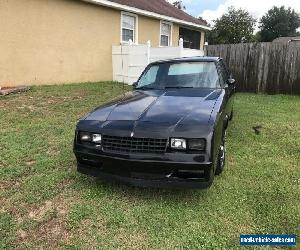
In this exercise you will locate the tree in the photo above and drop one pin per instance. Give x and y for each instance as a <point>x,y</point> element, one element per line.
<point>256,37</point>
<point>235,26</point>
<point>279,22</point>
<point>179,5</point>
<point>203,21</point>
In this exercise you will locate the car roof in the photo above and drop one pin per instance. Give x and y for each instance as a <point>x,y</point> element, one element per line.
<point>190,59</point>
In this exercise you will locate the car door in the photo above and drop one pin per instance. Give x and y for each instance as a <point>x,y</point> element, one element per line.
<point>229,88</point>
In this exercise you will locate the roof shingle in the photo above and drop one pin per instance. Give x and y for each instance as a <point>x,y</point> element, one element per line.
<point>161,7</point>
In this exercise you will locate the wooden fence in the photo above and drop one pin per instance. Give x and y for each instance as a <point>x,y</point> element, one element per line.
<point>271,68</point>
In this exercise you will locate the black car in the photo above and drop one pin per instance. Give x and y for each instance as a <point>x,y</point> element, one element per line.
<point>170,131</point>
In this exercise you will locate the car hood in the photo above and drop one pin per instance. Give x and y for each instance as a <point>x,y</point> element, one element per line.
<point>157,110</point>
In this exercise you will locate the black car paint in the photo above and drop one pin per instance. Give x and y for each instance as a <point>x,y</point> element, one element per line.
<point>166,113</point>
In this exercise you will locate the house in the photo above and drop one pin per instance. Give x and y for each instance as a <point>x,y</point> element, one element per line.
<point>65,41</point>
<point>287,39</point>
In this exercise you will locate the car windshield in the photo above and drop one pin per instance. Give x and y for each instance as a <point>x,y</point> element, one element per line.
<point>180,75</point>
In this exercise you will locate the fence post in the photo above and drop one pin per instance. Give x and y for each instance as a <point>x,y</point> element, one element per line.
<point>181,47</point>
<point>148,51</point>
<point>205,49</point>
<point>181,43</point>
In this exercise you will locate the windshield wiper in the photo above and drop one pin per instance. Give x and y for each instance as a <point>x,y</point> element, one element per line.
<point>149,88</point>
<point>145,88</point>
<point>179,87</point>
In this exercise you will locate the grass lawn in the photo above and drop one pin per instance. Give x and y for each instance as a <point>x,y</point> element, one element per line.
<point>45,203</point>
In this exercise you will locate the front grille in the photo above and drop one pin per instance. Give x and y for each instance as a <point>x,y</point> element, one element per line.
<point>133,145</point>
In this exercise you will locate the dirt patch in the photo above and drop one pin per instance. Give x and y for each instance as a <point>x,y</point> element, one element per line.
<point>39,214</point>
<point>53,150</point>
<point>49,234</point>
<point>58,206</point>
<point>29,108</point>
<point>30,163</point>
<point>49,220</point>
<point>88,230</point>
<point>22,234</point>
<point>9,184</point>
<point>134,240</point>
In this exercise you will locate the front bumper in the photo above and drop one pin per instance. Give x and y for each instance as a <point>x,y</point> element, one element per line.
<point>146,171</point>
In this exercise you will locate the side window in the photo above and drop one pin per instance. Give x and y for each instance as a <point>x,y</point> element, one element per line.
<point>149,77</point>
<point>222,74</point>
<point>225,69</point>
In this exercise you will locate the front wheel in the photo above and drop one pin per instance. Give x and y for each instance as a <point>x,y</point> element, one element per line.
<point>222,154</point>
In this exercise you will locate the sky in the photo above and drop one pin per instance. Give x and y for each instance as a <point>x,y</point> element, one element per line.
<point>213,9</point>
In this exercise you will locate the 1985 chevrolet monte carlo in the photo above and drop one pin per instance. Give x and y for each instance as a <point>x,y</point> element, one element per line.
<point>170,131</point>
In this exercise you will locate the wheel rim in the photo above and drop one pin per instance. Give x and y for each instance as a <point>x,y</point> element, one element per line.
<point>223,150</point>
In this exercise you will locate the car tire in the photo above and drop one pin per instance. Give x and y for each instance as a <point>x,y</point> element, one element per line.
<point>221,154</point>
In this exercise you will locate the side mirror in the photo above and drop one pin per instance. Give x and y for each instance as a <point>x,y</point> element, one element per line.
<point>135,84</point>
<point>231,81</point>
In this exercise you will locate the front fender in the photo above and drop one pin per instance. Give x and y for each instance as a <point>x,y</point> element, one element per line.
<point>220,121</point>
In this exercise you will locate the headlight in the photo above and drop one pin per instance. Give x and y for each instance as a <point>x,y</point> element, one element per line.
<point>97,138</point>
<point>90,137</point>
<point>197,144</point>
<point>178,143</point>
<point>85,136</point>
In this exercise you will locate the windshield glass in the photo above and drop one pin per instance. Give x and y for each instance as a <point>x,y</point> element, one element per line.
<point>180,75</point>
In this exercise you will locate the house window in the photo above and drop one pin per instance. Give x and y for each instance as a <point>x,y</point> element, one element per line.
<point>128,28</point>
<point>191,38</point>
<point>165,34</point>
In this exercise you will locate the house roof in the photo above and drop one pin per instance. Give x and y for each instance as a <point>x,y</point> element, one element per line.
<point>286,39</point>
<point>161,7</point>
<point>156,8</point>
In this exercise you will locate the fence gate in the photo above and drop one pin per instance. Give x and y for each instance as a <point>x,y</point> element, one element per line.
<point>130,60</point>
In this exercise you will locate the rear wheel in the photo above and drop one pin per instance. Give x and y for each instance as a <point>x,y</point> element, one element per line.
<point>222,154</point>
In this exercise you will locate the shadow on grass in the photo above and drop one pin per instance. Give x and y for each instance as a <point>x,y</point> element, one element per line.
<point>97,188</point>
